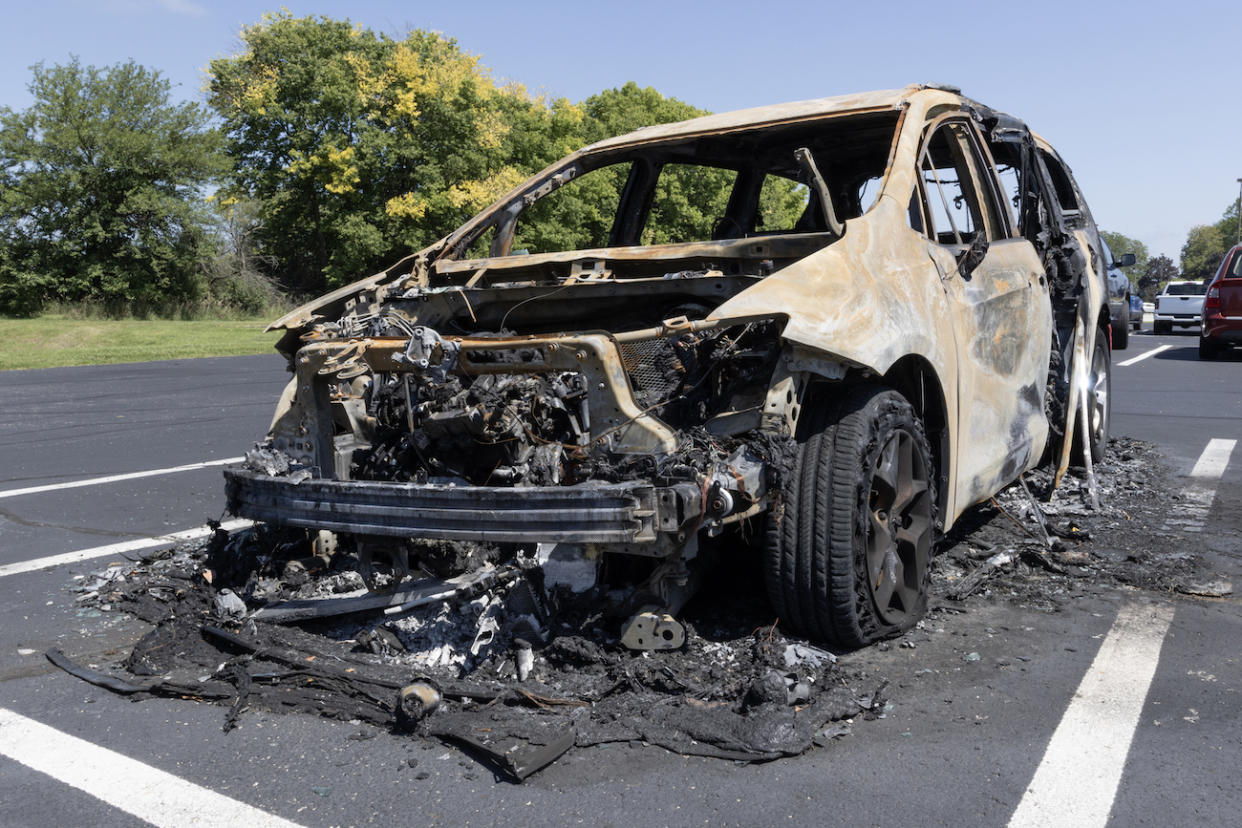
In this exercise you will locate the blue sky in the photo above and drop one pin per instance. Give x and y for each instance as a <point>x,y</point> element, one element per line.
<point>1141,99</point>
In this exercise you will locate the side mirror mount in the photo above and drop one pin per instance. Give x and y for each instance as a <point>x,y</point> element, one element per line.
<point>817,184</point>
<point>969,259</point>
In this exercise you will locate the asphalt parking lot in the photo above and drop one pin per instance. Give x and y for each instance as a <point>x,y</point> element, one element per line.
<point>967,742</point>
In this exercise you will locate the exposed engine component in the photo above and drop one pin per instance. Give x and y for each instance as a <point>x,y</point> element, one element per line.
<point>437,422</point>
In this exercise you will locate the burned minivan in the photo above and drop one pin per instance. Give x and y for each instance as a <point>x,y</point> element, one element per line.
<point>895,309</point>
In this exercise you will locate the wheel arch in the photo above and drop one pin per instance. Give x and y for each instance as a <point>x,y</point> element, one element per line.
<point>914,378</point>
<point>1104,325</point>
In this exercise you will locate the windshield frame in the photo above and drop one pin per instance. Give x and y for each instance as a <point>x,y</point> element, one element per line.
<point>502,216</point>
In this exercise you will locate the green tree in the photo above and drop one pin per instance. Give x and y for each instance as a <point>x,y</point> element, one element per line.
<point>361,148</point>
<point>687,200</point>
<point>1159,271</point>
<point>1228,225</point>
<point>100,191</point>
<point>237,275</point>
<point>1207,244</point>
<point>1203,251</point>
<point>1120,245</point>
<point>625,109</point>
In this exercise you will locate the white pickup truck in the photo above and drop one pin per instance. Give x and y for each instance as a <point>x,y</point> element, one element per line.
<point>1181,304</point>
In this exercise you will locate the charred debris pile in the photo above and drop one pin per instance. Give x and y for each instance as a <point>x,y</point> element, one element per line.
<point>506,656</point>
<point>1039,552</point>
<point>493,659</point>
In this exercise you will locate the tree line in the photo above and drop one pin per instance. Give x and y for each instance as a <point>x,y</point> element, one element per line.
<point>323,152</point>
<point>1201,255</point>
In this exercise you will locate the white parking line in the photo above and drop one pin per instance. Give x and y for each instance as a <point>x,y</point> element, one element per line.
<point>113,478</point>
<point>118,548</point>
<point>1214,459</point>
<point>148,793</point>
<point>1077,780</point>
<point>1197,497</point>
<point>1144,355</point>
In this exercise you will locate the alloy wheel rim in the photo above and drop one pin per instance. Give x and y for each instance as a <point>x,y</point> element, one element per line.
<point>1099,395</point>
<point>899,528</point>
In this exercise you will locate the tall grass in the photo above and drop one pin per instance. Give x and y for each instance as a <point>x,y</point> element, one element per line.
<point>201,309</point>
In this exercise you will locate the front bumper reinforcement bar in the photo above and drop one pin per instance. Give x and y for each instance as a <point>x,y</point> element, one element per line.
<point>630,512</point>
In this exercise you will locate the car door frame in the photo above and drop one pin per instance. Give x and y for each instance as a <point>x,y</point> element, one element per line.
<point>1001,323</point>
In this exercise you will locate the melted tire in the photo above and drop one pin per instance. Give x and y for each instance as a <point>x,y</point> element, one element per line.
<point>820,534</point>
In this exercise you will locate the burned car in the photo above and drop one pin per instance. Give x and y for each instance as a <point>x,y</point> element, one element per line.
<point>831,385</point>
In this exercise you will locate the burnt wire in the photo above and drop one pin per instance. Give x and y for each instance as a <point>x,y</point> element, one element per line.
<point>553,292</point>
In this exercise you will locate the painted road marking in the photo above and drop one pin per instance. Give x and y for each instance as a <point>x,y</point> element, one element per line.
<point>1077,780</point>
<point>132,786</point>
<point>1197,497</point>
<point>1215,458</point>
<point>119,548</point>
<point>1144,355</point>
<point>113,478</point>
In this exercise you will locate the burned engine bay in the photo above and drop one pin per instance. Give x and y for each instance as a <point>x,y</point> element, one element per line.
<point>451,414</point>
<point>532,425</point>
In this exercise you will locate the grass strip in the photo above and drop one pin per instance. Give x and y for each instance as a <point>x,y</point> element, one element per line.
<point>54,341</point>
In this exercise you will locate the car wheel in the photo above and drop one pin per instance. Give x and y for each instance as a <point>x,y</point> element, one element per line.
<point>1162,327</point>
<point>1121,333</point>
<point>1099,398</point>
<point>1207,348</point>
<point>850,540</point>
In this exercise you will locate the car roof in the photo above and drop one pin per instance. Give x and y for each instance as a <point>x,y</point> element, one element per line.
<point>778,113</point>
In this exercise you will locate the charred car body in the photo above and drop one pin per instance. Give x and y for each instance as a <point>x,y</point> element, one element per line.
<point>841,388</point>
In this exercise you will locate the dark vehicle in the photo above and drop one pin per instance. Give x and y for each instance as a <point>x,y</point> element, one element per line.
<point>1136,313</point>
<point>1222,307</point>
<point>1119,297</point>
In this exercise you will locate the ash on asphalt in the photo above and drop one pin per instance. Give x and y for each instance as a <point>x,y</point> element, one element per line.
<point>998,548</point>
<point>517,675</point>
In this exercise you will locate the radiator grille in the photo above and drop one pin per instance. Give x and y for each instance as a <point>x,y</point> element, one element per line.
<point>654,369</point>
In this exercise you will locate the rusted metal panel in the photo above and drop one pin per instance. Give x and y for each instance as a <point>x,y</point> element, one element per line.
<point>767,116</point>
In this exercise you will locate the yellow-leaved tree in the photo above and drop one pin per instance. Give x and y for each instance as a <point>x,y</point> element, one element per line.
<point>360,148</point>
